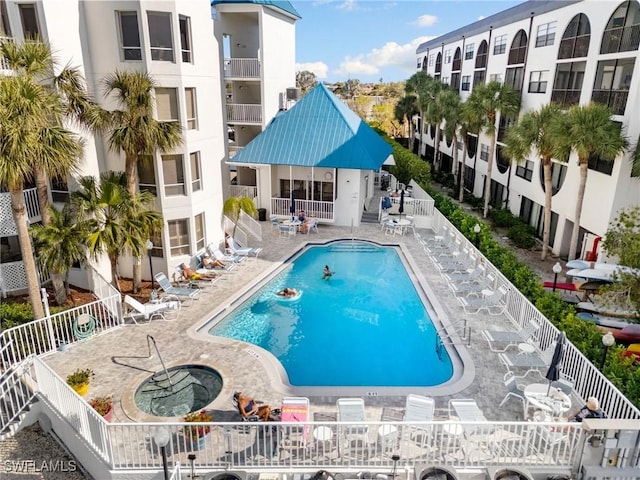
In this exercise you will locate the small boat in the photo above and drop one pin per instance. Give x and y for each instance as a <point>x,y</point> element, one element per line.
<point>603,320</point>
<point>628,334</point>
<point>633,351</point>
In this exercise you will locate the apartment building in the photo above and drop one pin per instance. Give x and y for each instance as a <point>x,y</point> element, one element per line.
<point>220,68</point>
<point>569,52</point>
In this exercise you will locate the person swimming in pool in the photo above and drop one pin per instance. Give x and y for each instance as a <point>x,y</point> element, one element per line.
<point>287,292</point>
<point>326,273</point>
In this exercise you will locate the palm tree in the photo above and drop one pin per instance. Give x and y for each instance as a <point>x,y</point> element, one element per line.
<point>635,160</point>
<point>470,122</point>
<point>134,131</point>
<point>489,101</point>
<point>60,244</point>
<point>449,101</point>
<point>116,221</point>
<point>404,111</point>
<point>435,113</point>
<point>234,205</point>
<point>535,131</point>
<point>418,84</point>
<point>589,132</point>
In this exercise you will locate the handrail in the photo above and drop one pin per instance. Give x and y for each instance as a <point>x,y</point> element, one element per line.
<point>164,367</point>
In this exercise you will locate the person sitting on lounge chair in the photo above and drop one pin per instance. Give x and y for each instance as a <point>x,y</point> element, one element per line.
<point>211,263</point>
<point>247,406</point>
<point>189,274</point>
<point>287,292</point>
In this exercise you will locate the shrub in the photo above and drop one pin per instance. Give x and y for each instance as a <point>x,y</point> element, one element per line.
<point>102,405</point>
<point>502,218</point>
<point>522,235</point>
<point>80,377</point>
<point>14,313</point>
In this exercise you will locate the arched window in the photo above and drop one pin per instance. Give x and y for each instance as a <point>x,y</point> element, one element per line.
<point>502,161</point>
<point>424,63</point>
<point>457,60</point>
<point>481,56</point>
<point>439,63</point>
<point>558,174</point>
<point>576,37</point>
<point>518,50</point>
<point>623,30</point>
<point>472,145</point>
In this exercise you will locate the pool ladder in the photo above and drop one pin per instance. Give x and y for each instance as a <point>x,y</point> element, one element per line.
<point>164,367</point>
<point>443,336</point>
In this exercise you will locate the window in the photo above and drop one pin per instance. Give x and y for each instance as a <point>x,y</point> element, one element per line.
<point>469,179</point>
<point>533,214</point>
<point>611,86</point>
<point>445,80</point>
<point>192,111</point>
<point>455,81</point>
<point>179,237</point>
<point>546,34</point>
<point>59,190</point>
<point>484,152</point>
<point>514,77</point>
<point>623,30</point>
<point>199,221</point>
<point>466,82</point>
<point>468,51</point>
<point>5,28</point>
<point>447,56</point>
<point>567,85</point>
<point>457,60</point>
<point>575,40</point>
<point>160,36</point>
<point>500,45</point>
<point>196,175</point>
<point>173,172</point>
<point>432,59</point>
<point>185,37</point>
<point>29,19</point>
<point>439,63</point>
<point>558,174</point>
<point>424,63</point>
<point>158,249</point>
<point>481,57</point>
<point>419,64</point>
<point>525,170</point>
<point>472,145</point>
<point>479,77</point>
<point>538,81</point>
<point>495,77</point>
<point>167,104</point>
<point>129,36</point>
<point>518,50</point>
<point>146,175</point>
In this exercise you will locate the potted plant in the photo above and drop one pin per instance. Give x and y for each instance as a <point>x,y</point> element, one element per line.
<point>103,405</point>
<point>197,434</point>
<point>79,380</point>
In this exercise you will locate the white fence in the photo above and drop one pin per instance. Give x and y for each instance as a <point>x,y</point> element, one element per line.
<point>243,191</point>
<point>241,68</point>
<point>313,208</point>
<point>244,113</point>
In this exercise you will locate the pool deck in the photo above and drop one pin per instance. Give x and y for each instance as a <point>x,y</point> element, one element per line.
<point>120,359</point>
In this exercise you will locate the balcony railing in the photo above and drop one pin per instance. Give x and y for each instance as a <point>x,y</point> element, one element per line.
<point>622,39</point>
<point>241,68</point>
<point>233,150</point>
<point>7,225</point>
<point>566,97</point>
<point>616,100</point>
<point>244,113</point>
<point>313,208</point>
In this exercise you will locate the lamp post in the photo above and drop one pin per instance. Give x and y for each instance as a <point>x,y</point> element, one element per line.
<point>476,230</point>
<point>149,247</point>
<point>162,437</point>
<point>608,340</point>
<point>557,268</point>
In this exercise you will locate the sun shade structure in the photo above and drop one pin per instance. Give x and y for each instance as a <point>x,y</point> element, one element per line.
<point>276,4</point>
<point>318,131</point>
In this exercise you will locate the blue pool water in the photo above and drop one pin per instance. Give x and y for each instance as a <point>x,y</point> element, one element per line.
<point>365,326</point>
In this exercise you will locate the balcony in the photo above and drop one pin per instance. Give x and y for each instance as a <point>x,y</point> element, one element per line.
<point>7,225</point>
<point>244,113</point>
<point>623,39</point>
<point>616,100</point>
<point>566,97</point>
<point>242,68</point>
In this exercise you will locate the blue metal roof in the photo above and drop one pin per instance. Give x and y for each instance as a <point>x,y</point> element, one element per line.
<point>318,131</point>
<point>500,19</point>
<point>279,4</point>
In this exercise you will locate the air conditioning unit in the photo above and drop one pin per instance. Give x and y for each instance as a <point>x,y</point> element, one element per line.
<point>293,93</point>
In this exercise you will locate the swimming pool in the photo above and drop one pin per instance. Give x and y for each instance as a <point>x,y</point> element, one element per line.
<point>365,326</point>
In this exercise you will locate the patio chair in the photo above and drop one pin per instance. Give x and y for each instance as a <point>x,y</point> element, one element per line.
<point>153,309</point>
<point>514,390</point>
<point>469,275</point>
<point>235,249</point>
<point>199,280</point>
<point>493,303</point>
<point>419,409</point>
<point>443,245</point>
<point>287,230</point>
<point>510,338</point>
<point>312,225</point>
<point>473,288</point>
<point>393,229</point>
<point>457,263</point>
<point>532,362</point>
<point>383,221</point>
<point>294,409</point>
<point>454,248</point>
<point>180,292</point>
<point>476,435</point>
<point>352,410</point>
<point>412,224</point>
<point>218,254</point>
<point>439,236</point>
<point>274,221</point>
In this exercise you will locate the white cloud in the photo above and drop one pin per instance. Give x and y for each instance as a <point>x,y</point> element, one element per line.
<point>426,20</point>
<point>320,69</point>
<point>481,17</point>
<point>391,54</point>
<point>348,5</point>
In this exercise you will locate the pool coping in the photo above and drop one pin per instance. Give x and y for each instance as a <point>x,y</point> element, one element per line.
<point>463,365</point>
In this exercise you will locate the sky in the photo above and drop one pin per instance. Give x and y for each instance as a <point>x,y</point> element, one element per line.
<point>376,39</point>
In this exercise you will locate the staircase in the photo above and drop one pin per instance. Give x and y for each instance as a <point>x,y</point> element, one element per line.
<point>15,401</point>
<point>369,217</point>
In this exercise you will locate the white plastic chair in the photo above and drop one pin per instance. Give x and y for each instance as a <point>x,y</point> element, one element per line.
<point>516,391</point>
<point>150,310</point>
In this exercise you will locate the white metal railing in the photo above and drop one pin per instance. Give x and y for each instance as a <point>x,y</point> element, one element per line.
<point>244,113</point>
<point>106,292</point>
<point>239,235</point>
<point>313,208</point>
<point>243,191</point>
<point>589,379</point>
<point>241,68</point>
<point>15,396</point>
<point>176,474</point>
<point>251,225</point>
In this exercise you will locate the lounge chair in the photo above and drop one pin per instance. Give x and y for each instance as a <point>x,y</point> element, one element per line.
<point>218,254</point>
<point>180,292</point>
<point>198,280</point>
<point>493,303</point>
<point>441,246</point>
<point>294,409</point>
<point>510,338</point>
<point>531,362</point>
<point>235,249</point>
<point>150,310</point>
<point>469,275</point>
<point>419,409</point>
<point>458,263</point>
<point>473,288</point>
<point>351,410</point>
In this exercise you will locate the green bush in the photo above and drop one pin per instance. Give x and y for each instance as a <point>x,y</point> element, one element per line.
<point>14,313</point>
<point>522,235</point>
<point>502,218</point>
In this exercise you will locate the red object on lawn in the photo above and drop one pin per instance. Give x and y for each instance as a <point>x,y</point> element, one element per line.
<point>628,334</point>
<point>561,286</point>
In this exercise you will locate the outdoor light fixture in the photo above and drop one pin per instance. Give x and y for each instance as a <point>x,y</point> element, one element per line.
<point>162,438</point>
<point>476,230</point>
<point>608,340</point>
<point>149,247</point>
<point>557,268</point>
